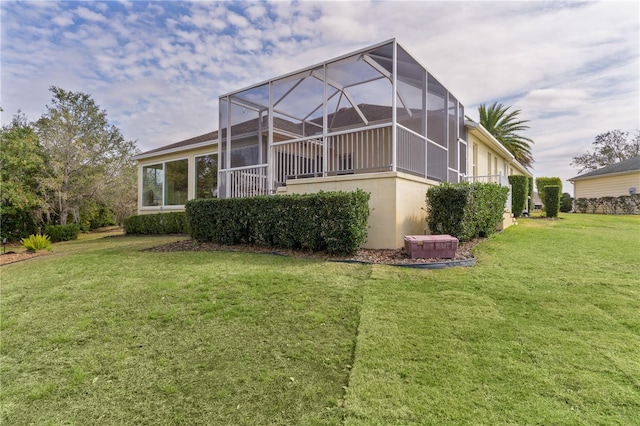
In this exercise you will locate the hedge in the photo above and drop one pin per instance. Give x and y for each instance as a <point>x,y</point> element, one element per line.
<point>62,232</point>
<point>566,202</point>
<point>158,223</point>
<point>541,182</point>
<point>335,222</point>
<point>519,193</point>
<point>465,210</point>
<point>530,204</point>
<point>624,204</point>
<point>552,200</point>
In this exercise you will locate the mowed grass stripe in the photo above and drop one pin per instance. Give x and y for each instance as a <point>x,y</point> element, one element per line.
<point>545,330</point>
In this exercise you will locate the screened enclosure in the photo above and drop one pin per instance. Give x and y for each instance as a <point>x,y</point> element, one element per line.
<point>371,111</point>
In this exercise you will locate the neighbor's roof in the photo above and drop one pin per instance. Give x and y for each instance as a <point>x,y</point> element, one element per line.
<point>627,166</point>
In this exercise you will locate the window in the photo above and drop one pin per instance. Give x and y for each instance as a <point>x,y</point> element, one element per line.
<point>474,166</point>
<point>176,184</point>
<point>207,176</point>
<point>165,183</point>
<point>152,180</point>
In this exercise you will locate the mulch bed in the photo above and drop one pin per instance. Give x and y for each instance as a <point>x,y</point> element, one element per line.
<point>389,257</point>
<point>11,257</point>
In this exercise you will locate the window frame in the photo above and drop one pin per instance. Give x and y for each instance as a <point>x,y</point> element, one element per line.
<point>162,205</point>
<point>195,172</point>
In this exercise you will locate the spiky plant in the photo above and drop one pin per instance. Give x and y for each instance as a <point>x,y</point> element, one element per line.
<point>505,126</point>
<point>36,242</point>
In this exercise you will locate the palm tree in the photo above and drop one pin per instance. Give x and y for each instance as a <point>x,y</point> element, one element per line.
<point>504,126</point>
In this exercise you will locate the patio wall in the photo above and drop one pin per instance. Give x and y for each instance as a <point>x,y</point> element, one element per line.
<point>397,202</point>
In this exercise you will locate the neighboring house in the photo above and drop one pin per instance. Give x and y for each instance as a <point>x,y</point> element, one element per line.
<point>618,179</point>
<point>374,119</point>
<point>537,202</point>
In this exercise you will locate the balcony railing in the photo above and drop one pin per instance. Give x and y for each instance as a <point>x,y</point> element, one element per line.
<point>364,150</point>
<point>246,181</point>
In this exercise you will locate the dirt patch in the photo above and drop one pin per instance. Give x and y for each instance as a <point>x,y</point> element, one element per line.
<point>389,257</point>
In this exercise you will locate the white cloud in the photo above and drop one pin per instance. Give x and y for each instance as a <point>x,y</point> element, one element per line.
<point>158,67</point>
<point>89,15</point>
<point>63,19</point>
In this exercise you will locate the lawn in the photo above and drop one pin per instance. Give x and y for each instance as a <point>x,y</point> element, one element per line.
<point>544,330</point>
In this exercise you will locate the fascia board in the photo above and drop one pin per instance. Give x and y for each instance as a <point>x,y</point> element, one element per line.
<point>213,142</point>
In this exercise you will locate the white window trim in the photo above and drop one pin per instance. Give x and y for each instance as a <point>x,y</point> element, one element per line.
<point>162,206</point>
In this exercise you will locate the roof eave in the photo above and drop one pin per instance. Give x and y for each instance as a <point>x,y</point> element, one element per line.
<point>145,155</point>
<point>626,172</point>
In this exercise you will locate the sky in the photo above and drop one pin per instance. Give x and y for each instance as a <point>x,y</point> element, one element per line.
<point>158,67</point>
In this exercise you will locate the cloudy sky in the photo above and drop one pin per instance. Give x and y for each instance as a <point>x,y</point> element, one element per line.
<point>157,68</point>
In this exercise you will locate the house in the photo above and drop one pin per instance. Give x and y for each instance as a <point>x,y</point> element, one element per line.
<point>374,119</point>
<point>615,180</point>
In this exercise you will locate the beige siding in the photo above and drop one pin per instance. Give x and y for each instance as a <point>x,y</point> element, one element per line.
<point>607,186</point>
<point>488,161</point>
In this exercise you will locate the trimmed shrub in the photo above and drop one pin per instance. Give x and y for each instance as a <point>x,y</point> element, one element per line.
<point>335,222</point>
<point>519,193</point>
<point>465,210</point>
<point>159,223</point>
<point>552,200</point>
<point>62,232</point>
<point>530,204</point>
<point>36,242</point>
<point>542,182</point>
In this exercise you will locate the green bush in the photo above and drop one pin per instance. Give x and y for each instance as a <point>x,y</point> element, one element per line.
<point>566,203</point>
<point>62,232</point>
<point>624,204</point>
<point>542,182</point>
<point>519,193</point>
<point>530,204</point>
<point>36,242</point>
<point>465,210</point>
<point>582,204</point>
<point>335,222</point>
<point>158,223</point>
<point>17,223</point>
<point>552,200</point>
<point>94,216</point>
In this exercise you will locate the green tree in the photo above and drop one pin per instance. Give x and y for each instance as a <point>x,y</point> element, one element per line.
<point>608,148</point>
<point>505,127</point>
<point>87,155</point>
<point>22,161</point>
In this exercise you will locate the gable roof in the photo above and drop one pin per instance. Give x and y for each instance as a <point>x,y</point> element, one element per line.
<point>627,166</point>
<point>182,145</point>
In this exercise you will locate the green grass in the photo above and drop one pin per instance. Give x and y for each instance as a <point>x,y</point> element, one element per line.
<point>544,330</point>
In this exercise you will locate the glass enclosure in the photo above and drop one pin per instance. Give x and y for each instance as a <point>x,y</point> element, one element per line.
<point>375,110</point>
